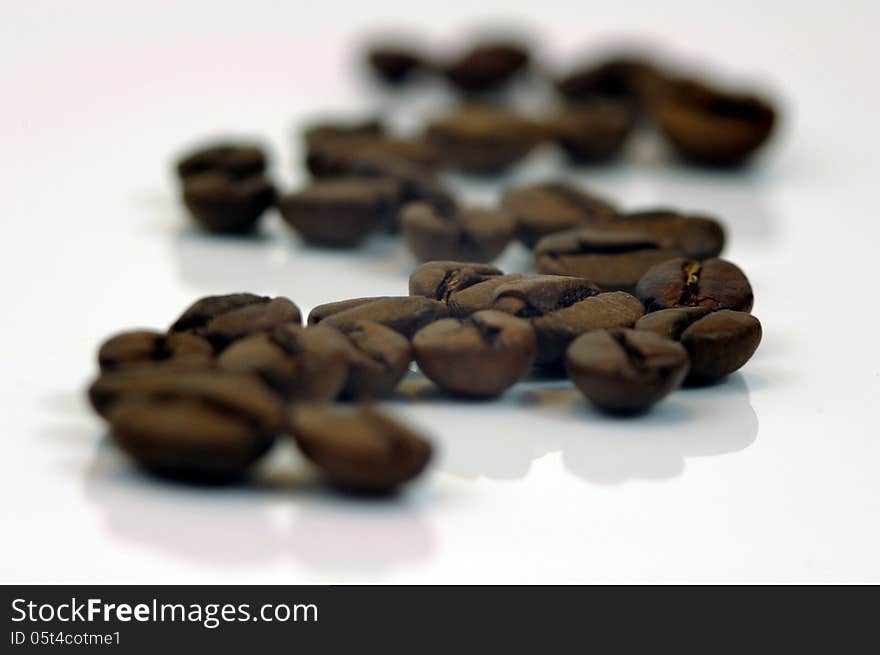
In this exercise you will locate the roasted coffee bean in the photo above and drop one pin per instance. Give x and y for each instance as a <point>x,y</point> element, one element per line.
<point>462,233</point>
<point>317,134</point>
<point>627,78</point>
<point>378,359</point>
<point>196,425</point>
<point>440,279</point>
<point>625,370</point>
<point>594,130</point>
<point>697,237</point>
<point>537,295</point>
<point>300,364</point>
<point>340,212</point>
<point>464,302</point>
<point>487,66</point>
<point>224,319</point>
<point>394,63</point>
<point>227,205</point>
<point>543,209</point>
<point>717,343</point>
<point>404,314</point>
<point>714,127</point>
<point>484,140</point>
<point>136,347</point>
<point>330,155</point>
<point>233,160</point>
<point>711,283</point>
<point>359,448</point>
<point>615,260</point>
<point>478,356</point>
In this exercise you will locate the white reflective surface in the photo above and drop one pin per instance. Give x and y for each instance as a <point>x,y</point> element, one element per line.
<point>771,476</point>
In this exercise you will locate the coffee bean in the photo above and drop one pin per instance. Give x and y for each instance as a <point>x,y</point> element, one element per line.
<point>537,295</point>
<point>696,237</point>
<point>336,154</point>
<point>403,314</point>
<point>614,260</point>
<point>594,130</point>
<point>717,343</point>
<point>139,346</point>
<point>625,370</point>
<point>466,301</point>
<point>543,209</point>
<point>359,448</point>
<point>709,126</point>
<point>224,319</point>
<point>478,356</point>
<point>440,279</point>
<point>487,66</point>
<point>317,134</point>
<point>300,364</point>
<point>233,160</point>
<point>469,234</point>
<point>340,212</point>
<point>227,205</point>
<point>196,425</point>
<point>392,63</point>
<point>378,358</point>
<point>711,283</point>
<point>482,139</point>
<point>627,78</point>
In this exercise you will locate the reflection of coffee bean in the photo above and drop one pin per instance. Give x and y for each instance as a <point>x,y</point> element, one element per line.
<point>711,283</point>
<point>625,370</point>
<point>359,448</point>
<point>718,343</point>
<point>543,209</point>
<point>466,234</point>
<point>478,356</point>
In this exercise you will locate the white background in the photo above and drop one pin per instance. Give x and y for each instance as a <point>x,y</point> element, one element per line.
<point>771,476</point>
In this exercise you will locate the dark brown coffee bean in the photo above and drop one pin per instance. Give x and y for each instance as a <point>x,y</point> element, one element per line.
<point>711,283</point>
<point>718,343</point>
<point>233,160</point>
<point>206,424</point>
<point>394,63</point>
<point>487,66</point>
<point>625,370</point>
<point>361,448</point>
<point>627,78</point>
<point>317,134</point>
<point>378,359</point>
<point>440,279</point>
<point>482,139</point>
<point>469,234</point>
<point>223,319</point>
<point>697,237</point>
<point>139,346</point>
<point>340,212</point>
<point>543,209</point>
<point>613,260</point>
<point>714,127</point>
<point>300,364</point>
<point>227,205</point>
<point>478,356</point>
<point>594,130</point>
<point>331,155</point>
<point>464,302</point>
<point>403,314</point>
<point>537,295</point>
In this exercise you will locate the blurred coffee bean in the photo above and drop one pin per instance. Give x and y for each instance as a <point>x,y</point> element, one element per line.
<point>227,205</point>
<point>467,233</point>
<point>482,139</point>
<point>340,212</point>
<point>333,154</point>
<point>359,448</point>
<point>317,134</point>
<point>708,126</point>
<point>625,370</point>
<point>697,237</point>
<point>378,358</point>
<point>403,314</point>
<point>615,260</point>
<point>711,283</point>
<point>718,343</point>
<point>224,319</point>
<point>139,346</point>
<point>300,364</point>
<point>593,130</point>
<point>233,160</point>
<point>393,63</point>
<point>626,78</point>
<point>542,209</point>
<point>477,356</point>
<point>487,66</point>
